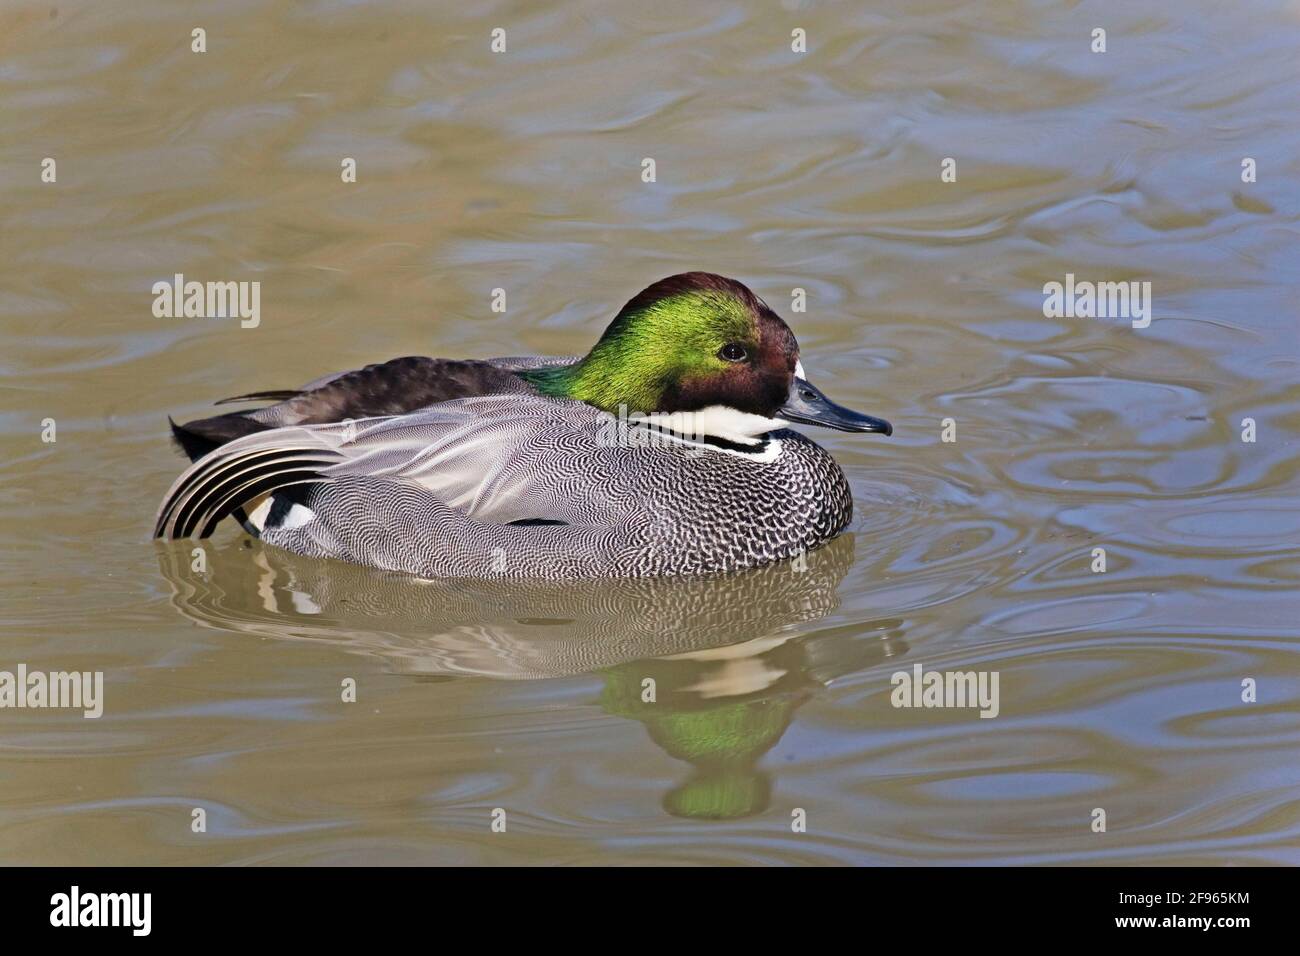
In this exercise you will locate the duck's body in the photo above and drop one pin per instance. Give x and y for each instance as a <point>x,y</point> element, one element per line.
<point>511,468</point>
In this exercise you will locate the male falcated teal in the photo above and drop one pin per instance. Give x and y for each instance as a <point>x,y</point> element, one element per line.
<point>663,450</point>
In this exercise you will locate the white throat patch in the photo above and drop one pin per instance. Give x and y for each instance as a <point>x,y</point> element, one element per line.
<point>715,421</point>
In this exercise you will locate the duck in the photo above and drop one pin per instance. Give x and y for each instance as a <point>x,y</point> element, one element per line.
<point>667,449</point>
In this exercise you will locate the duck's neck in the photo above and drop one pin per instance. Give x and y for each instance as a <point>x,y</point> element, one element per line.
<point>607,377</point>
<point>640,355</point>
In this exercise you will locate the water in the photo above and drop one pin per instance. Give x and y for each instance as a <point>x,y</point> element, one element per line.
<point>1118,690</point>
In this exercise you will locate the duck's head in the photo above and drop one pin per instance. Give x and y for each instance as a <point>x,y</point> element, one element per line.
<point>700,353</point>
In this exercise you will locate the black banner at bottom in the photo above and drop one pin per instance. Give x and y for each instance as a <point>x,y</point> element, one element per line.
<point>334,905</point>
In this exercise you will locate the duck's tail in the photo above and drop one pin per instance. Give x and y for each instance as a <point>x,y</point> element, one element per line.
<point>197,438</point>
<point>238,477</point>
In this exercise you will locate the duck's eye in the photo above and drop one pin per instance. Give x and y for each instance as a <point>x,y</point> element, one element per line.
<point>733,352</point>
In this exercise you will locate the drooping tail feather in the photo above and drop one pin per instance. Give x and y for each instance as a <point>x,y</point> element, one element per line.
<point>223,482</point>
<point>280,395</point>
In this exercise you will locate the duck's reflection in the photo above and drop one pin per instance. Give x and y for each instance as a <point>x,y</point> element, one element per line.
<point>720,710</point>
<point>714,668</point>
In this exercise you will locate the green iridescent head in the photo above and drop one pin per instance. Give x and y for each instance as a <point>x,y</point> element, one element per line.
<point>696,341</point>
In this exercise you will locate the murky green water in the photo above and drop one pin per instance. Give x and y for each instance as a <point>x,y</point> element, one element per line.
<point>1119,690</point>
